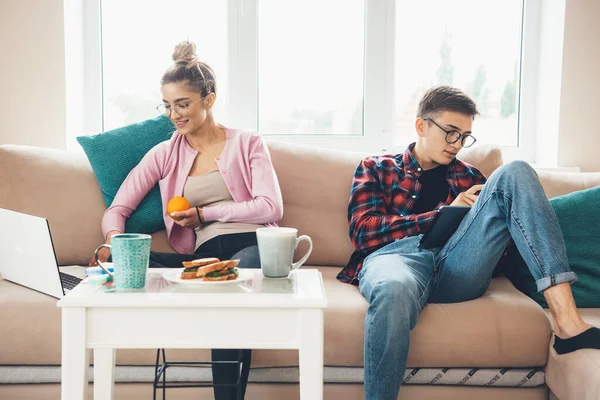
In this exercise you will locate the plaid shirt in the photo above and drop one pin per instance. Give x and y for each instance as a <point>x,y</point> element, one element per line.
<point>384,190</point>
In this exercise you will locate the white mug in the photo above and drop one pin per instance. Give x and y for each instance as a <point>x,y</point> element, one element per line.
<point>276,248</point>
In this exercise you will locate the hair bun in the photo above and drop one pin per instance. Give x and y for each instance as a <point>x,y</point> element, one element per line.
<point>185,52</point>
<point>187,68</point>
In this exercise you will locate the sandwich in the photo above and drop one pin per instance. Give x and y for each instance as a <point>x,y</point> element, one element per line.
<point>191,267</point>
<point>210,269</point>
<point>200,262</point>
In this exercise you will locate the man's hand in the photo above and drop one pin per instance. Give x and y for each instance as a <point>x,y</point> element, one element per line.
<point>467,198</point>
<point>188,218</point>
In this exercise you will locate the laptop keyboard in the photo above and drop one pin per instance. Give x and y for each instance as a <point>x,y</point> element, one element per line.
<point>69,281</point>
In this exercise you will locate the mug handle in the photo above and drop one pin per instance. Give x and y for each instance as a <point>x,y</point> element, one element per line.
<point>310,247</point>
<point>108,246</point>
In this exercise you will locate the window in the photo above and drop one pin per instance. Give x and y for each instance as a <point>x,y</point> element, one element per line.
<point>310,66</point>
<point>138,39</point>
<point>344,74</point>
<point>471,44</point>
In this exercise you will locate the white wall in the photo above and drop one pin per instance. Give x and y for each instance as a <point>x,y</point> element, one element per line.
<point>32,73</point>
<point>579,134</point>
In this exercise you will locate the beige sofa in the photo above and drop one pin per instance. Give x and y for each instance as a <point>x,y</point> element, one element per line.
<point>502,330</point>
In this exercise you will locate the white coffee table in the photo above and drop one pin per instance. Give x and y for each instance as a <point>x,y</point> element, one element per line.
<point>258,314</point>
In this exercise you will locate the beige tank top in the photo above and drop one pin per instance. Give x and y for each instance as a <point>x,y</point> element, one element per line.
<point>210,190</point>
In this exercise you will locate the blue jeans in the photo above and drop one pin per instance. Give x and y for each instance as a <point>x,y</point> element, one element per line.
<point>399,279</point>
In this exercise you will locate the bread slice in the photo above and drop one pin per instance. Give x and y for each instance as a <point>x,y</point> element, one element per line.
<point>200,262</point>
<point>188,275</point>
<point>218,266</point>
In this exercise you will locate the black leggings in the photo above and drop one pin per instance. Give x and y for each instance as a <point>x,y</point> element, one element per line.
<point>242,246</point>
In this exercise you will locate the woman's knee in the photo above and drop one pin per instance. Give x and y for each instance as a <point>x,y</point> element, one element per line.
<point>249,257</point>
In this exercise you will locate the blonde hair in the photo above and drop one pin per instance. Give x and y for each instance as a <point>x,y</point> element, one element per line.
<point>188,69</point>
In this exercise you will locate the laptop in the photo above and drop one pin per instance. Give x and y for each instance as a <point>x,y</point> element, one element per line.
<point>27,255</point>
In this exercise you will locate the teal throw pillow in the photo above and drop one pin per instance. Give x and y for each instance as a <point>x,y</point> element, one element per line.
<point>113,154</point>
<point>579,219</point>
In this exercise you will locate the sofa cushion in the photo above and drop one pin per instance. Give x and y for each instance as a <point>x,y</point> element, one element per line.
<point>579,221</point>
<point>115,153</point>
<point>485,157</point>
<point>66,183</point>
<point>503,328</point>
<point>315,185</point>
<point>561,183</point>
<point>575,376</point>
<point>59,186</point>
<point>314,205</point>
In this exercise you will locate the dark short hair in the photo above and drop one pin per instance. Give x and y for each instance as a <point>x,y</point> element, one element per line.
<point>446,98</point>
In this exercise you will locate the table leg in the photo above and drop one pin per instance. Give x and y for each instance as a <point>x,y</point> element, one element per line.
<point>311,354</point>
<point>104,373</point>
<point>75,355</point>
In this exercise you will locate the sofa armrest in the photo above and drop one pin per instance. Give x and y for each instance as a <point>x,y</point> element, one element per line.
<point>575,376</point>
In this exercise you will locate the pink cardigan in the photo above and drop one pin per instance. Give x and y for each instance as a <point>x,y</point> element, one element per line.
<point>245,165</point>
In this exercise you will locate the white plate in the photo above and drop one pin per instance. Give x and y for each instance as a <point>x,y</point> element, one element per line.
<point>175,277</point>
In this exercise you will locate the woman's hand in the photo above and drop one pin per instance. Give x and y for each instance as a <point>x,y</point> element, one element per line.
<point>467,198</point>
<point>103,253</point>
<point>191,218</point>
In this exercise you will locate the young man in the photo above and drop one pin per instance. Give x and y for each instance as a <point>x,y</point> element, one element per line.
<point>393,201</point>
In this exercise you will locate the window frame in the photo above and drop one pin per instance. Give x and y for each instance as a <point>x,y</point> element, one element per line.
<point>83,45</point>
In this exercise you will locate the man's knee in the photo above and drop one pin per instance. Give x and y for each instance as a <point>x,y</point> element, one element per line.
<point>405,288</point>
<point>398,294</point>
<point>399,300</point>
<point>388,278</point>
<point>517,168</point>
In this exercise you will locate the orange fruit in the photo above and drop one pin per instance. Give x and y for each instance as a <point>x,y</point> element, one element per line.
<point>177,203</point>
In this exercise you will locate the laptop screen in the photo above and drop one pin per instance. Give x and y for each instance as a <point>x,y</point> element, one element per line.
<point>27,252</point>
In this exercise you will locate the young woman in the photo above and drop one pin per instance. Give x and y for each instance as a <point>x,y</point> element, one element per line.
<point>226,175</point>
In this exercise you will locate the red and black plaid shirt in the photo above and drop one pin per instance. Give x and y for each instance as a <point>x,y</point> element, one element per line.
<point>384,190</point>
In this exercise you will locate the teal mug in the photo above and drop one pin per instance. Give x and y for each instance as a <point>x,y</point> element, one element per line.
<point>130,256</point>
